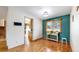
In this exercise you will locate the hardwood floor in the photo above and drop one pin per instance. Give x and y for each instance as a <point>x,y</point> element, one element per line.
<point>42,45</point>
<point>3,46</point>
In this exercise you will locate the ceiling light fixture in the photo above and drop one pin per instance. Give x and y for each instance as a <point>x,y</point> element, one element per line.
<point>45,14</point>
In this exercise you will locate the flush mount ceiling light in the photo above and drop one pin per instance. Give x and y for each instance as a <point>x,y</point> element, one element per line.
<point>45,14</point>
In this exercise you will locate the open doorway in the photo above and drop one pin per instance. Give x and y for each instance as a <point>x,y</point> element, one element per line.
<point>3,45</point>
<point>2,29</point>
<point>28,28</point>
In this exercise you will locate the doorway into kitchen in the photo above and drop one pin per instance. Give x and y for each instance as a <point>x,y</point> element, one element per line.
<point>3,45</point>
<point>28,28</point>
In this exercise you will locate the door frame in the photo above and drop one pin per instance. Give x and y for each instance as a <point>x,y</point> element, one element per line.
<point>31,27</point>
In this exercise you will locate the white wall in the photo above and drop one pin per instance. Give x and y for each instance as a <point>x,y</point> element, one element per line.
<point>74,29</point>
<point>3,15</point>
<point>1,22</point>
<point>3,12</point>
<point>15,34</point>
<point>37,33</point>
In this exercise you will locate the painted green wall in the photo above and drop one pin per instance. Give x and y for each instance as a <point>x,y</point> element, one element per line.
<point>65,26</point>
<point>44,28</point>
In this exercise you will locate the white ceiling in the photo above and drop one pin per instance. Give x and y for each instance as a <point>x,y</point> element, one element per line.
<point>38,11</point>
<point>53,11</point>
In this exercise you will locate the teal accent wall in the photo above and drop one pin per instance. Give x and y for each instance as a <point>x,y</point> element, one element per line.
<point>65,26</point>
<point>44,28</point>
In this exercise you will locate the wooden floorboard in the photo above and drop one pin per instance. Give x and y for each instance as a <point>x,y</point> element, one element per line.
<point>43,45</point>
<point>3,46</point>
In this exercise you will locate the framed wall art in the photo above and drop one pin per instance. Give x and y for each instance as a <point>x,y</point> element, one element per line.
<point>54,25</point>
